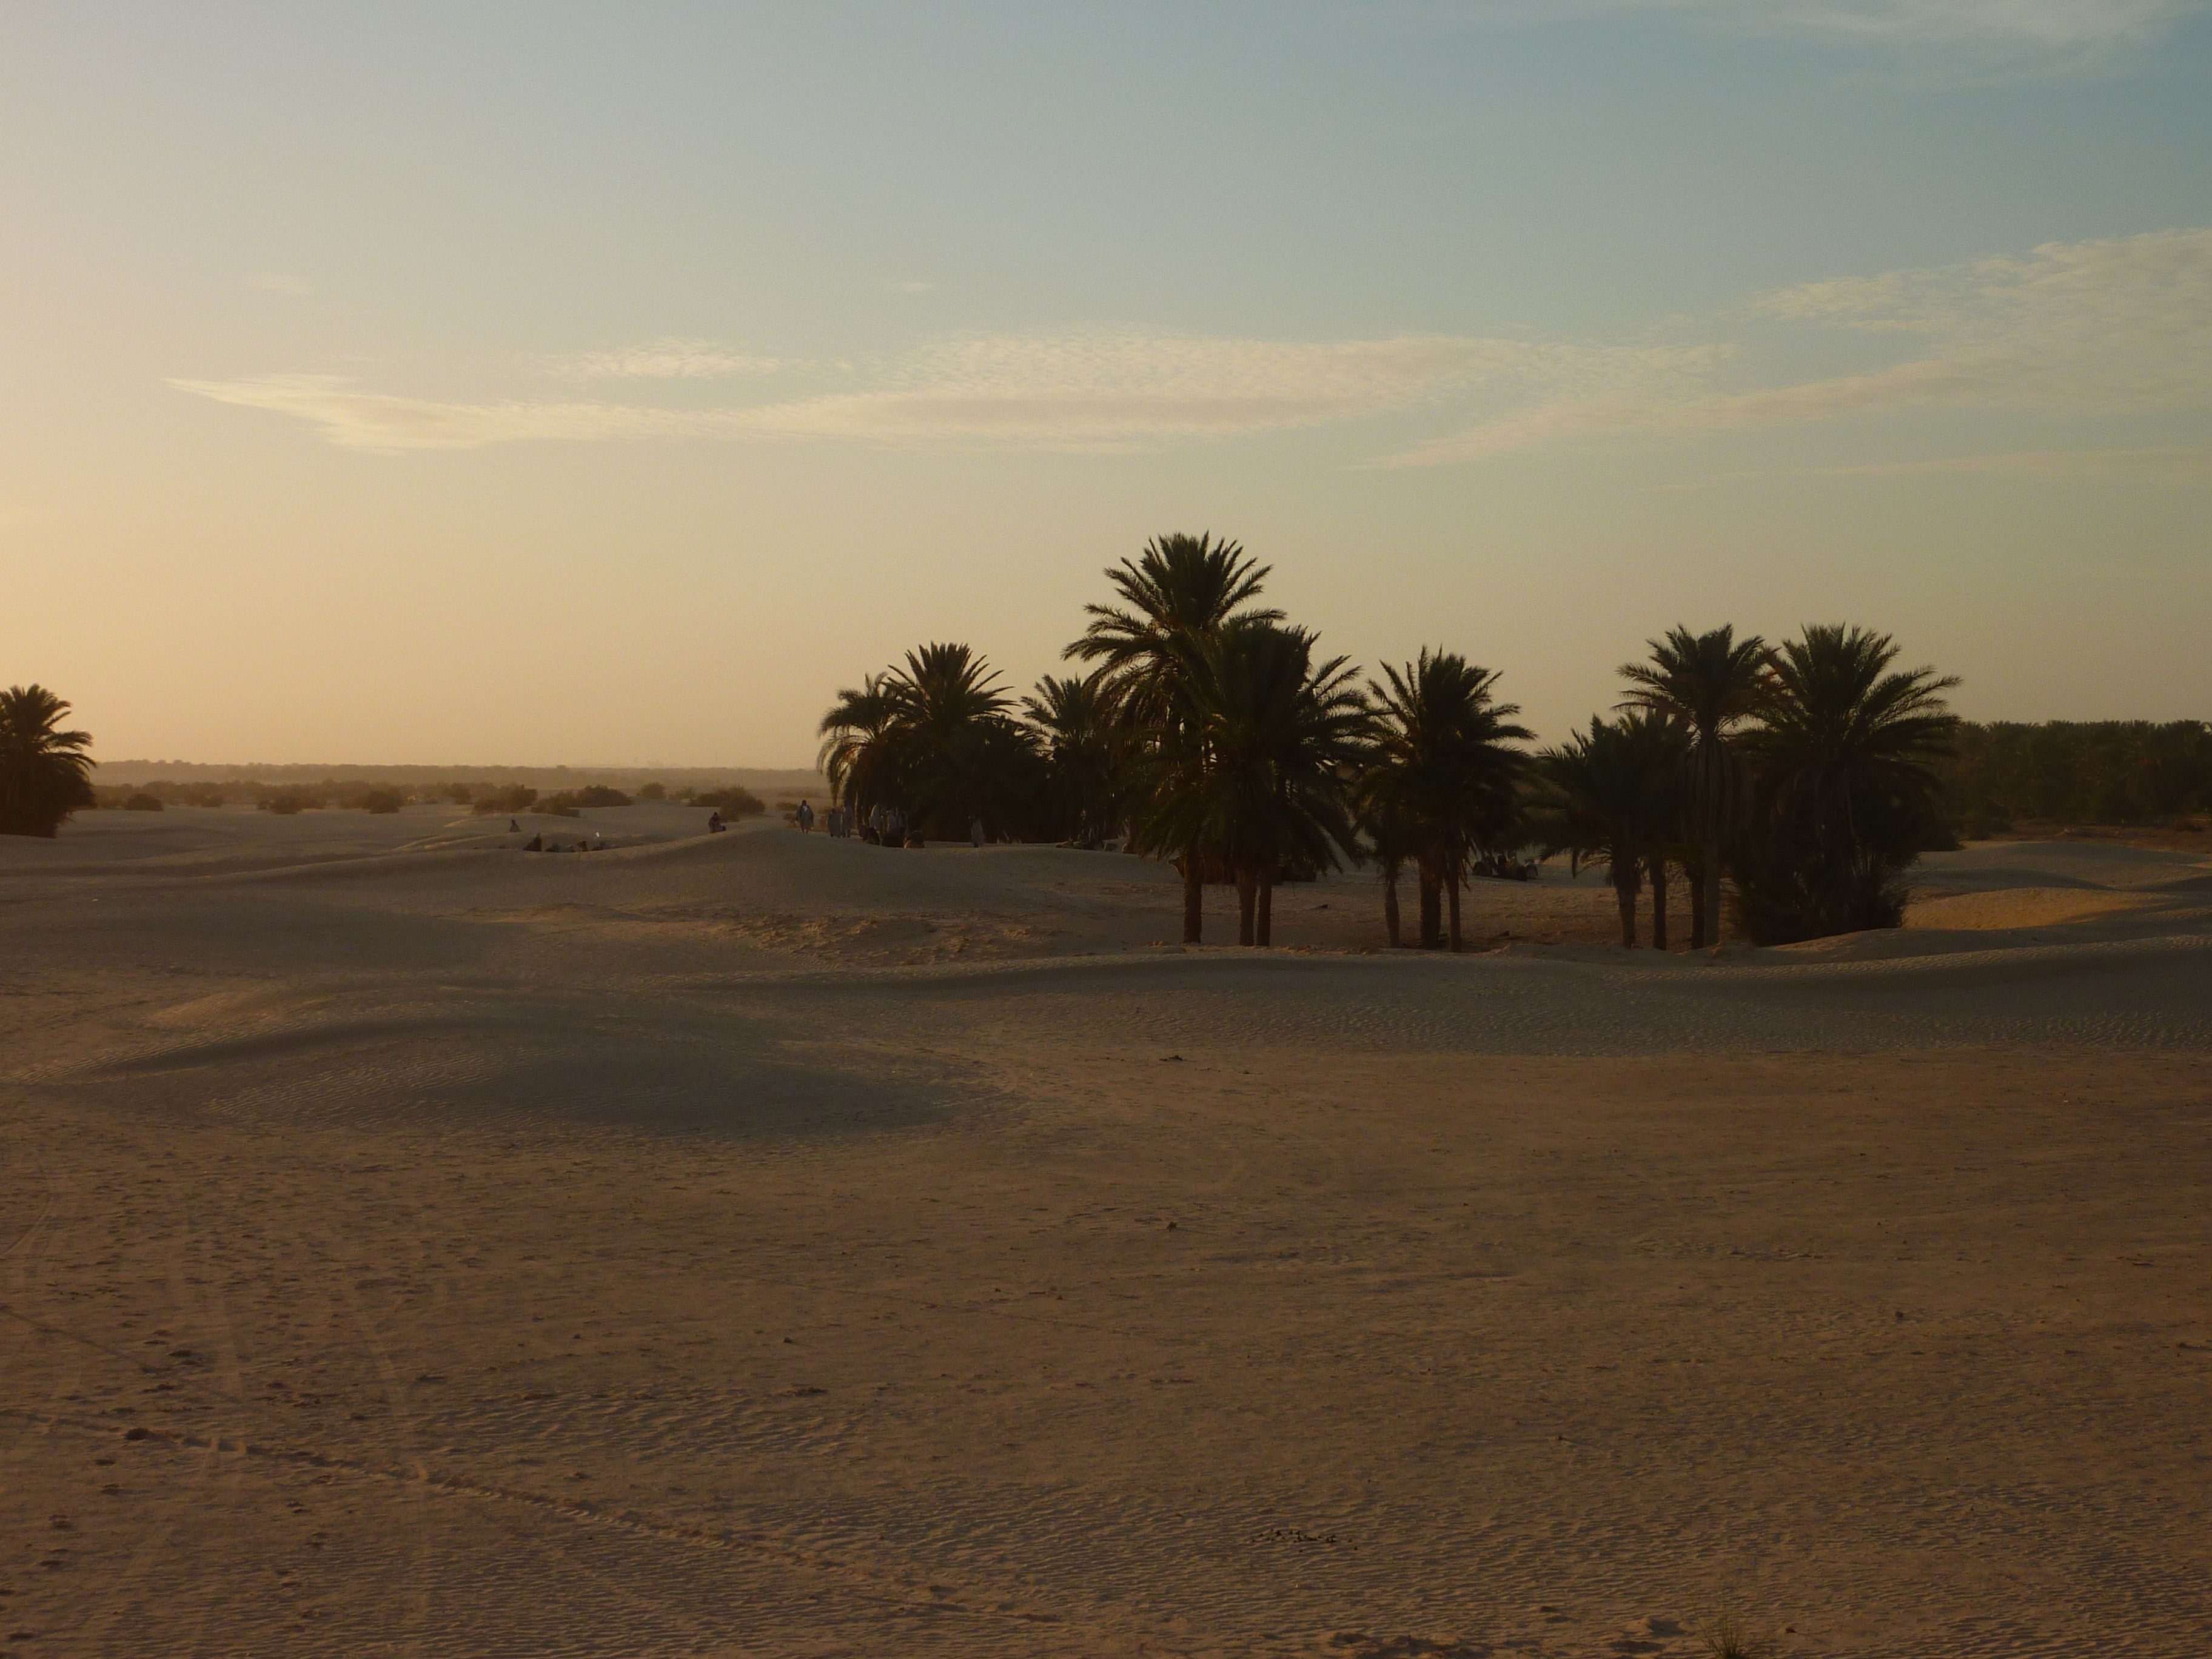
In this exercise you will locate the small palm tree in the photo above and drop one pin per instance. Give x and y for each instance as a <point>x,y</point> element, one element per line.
<point>1846,792</point>
<point>1390,842</point>
<point>45,773</point>
<point>857,747</point>
<point>1178,596</point>
<point>1709,683</point>
<point>1442,765</point>
<point>934,737</point>
<point>1610,787</point>
<point>1083,745</point>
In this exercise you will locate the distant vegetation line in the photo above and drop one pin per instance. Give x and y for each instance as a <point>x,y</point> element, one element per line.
<point>2086,772</point>
<point>484,799</point>
<point>763,780</point>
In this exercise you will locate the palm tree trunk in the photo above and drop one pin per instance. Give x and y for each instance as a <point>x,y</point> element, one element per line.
<point>1432,907</point>
<point>1658,900</point>
<point>1451,892</point>
<point>1264,933</point>
<point>1193,900</point>
<point>1248,893</point>
<point>1390,903</point>
<point>1712,893</point>
<point>1696,873</point>
<point>1624,888</point>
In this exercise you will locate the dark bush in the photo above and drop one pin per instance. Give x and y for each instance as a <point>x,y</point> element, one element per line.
<point>733,802</point>
<point>382,801</point>
<point>143,802</point>
<point>509,799</point>
<point>286,801</point>
<point>653,792</point>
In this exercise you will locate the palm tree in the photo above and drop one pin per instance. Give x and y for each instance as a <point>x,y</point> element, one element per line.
<point>934,737</point>
<point>1610,789</point>
<point>1846,795</point>
<point>957,733</point>
<point>1391,841</point>
<point>1254,774</point>
<point>1442,767</point>
<point>1073,719</point>
<point>857,749</point>
<point>1709,683</point>
<point>45,773</point>
<point>1177,596</point>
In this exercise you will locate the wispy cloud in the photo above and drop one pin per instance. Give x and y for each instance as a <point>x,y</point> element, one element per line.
<point>356,419</point>
<point>2076,328</point>
<point>1124,387</point>
<point>1102,389</point>
<point>664,360</point>
<point>2071,330</point>
<point>2174,463</point>
<point>2064,25</point>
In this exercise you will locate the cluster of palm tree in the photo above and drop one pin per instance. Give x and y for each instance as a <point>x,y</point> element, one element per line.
<point>45,773</point>
<point>1206,730</point>
<point>1803,774</point>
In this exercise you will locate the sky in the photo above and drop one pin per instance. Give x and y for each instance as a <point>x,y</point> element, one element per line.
<point>608,385</point>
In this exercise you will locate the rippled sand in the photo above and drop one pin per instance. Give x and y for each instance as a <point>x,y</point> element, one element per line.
<point>757,1244</point>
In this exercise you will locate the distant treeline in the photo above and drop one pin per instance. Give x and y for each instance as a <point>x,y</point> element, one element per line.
<point>485,798</point>
<point>762,781</point>
<point>2115,772</point>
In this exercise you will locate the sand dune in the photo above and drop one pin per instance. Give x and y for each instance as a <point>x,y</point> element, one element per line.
<point>757,1244</point>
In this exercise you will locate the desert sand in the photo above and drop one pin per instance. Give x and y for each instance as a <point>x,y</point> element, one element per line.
<point>757,1244</point>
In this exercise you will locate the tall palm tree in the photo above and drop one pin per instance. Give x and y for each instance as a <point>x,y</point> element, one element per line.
<point>1255,774</point>
<point>1847,794</point>
<point>1442,764</point>
<point>45,773</point>
<point>1609,787</point>
<point>1709,683</point>
<point>1176,597</point>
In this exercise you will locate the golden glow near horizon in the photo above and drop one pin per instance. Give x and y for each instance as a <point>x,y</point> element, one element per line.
<point>518,387</point>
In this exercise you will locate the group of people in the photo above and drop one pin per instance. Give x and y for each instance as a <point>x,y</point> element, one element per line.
<point>537,843</point>
<point>884,825</point>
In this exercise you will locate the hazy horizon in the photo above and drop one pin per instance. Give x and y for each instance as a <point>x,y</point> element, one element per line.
<point>545,382</point>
